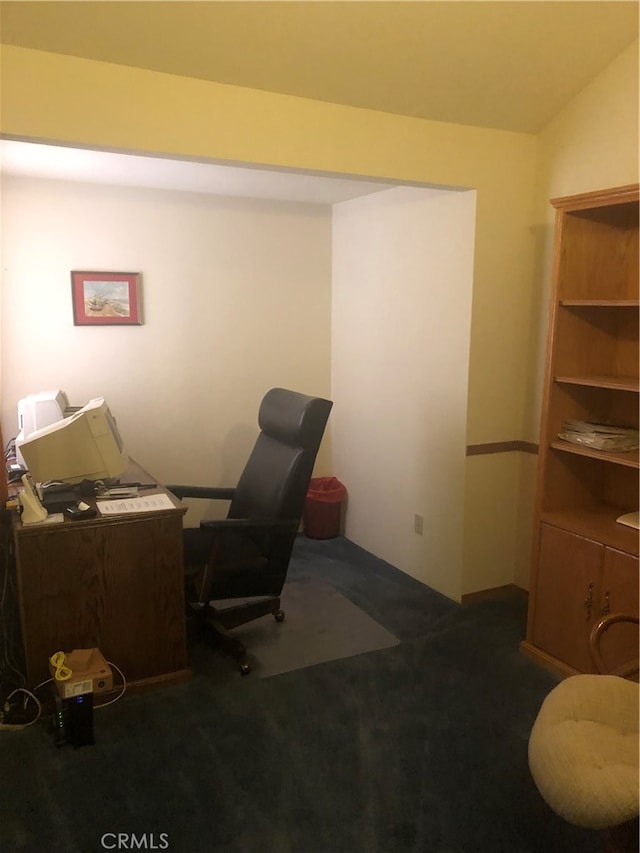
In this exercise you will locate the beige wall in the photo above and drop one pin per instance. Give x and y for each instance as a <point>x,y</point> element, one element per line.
<point>237,299</point>
<point>89,103</point>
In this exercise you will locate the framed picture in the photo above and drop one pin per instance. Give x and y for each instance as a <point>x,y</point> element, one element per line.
<point>106,298</point>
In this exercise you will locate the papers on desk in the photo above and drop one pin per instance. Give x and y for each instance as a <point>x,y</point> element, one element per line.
<point>147,503</point>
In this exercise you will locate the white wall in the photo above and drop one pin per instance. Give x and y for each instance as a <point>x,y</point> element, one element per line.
<point>237,297</point>
<point>402,284</point>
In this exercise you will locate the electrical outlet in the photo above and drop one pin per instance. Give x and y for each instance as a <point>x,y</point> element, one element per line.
<point>418,524</point>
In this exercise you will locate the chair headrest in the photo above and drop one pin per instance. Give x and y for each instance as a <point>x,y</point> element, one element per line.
<point>291,417</point>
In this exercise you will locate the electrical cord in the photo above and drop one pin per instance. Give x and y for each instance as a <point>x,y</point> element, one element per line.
<point>57,660</point>
<point>123,686</point>
<point>10,449</point>
<point>10,670</point>
<point>7,710</point>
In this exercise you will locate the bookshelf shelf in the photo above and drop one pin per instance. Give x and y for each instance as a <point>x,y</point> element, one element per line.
<point>600,303</point>
<point>617,383</point>
<point>628,459</point>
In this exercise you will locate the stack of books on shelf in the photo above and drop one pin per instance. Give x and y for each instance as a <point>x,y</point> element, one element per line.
<point>600,436</point>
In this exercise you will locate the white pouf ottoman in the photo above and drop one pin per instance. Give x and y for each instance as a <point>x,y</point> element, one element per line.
<point>583,750</point>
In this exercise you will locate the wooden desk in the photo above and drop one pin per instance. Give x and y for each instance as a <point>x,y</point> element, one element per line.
<point>114,583</point>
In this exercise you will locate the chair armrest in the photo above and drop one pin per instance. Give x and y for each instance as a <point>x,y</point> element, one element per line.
<point>213,493</point>
<point>247,524</point>
<point>628,669</point>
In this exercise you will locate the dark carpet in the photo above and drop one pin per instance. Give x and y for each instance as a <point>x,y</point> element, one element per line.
<point>418,747</point>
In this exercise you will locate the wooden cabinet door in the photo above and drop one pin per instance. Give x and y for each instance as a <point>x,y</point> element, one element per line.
<point>569,571</point>
<point>116,585</point>
<point>618,593</point>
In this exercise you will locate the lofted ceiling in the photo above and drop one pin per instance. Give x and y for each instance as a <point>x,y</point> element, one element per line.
<point>511,64</point>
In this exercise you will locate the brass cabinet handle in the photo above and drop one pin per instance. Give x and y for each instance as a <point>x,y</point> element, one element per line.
<point>604,610</point>
<point>588,601</point>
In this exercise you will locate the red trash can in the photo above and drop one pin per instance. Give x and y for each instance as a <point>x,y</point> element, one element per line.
<point>323,507</point>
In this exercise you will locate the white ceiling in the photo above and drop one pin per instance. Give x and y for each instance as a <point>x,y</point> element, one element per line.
<point>102,167</point>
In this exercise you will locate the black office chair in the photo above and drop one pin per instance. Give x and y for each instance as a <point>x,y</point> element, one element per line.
<point>246,555</point>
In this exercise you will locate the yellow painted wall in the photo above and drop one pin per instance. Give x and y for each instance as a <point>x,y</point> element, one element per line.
<point>70,100</point>
<point>65,99</point>
<point>592,144</point>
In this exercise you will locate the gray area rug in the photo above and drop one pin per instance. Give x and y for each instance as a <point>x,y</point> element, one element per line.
<point>320,625</point>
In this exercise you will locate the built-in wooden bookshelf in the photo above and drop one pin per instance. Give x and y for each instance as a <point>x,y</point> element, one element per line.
<point>585,563</point>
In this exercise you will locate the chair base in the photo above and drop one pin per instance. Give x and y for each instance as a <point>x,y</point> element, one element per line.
<point>214,626</point>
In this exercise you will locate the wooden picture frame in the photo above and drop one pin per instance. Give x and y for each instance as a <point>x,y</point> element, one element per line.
<point>106,298</point>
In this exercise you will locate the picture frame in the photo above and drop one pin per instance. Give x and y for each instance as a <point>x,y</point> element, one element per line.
<point>106,298</point>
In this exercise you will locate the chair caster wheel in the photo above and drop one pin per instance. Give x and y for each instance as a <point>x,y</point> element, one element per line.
<point>245,668</point>
<point>279,615</point>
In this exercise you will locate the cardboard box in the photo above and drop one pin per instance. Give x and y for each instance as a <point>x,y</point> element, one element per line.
<point>90,673</point>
